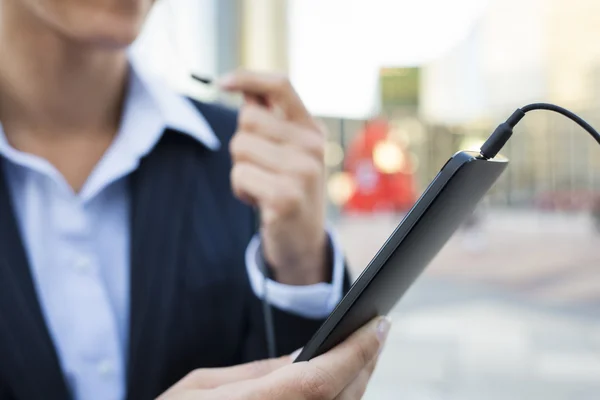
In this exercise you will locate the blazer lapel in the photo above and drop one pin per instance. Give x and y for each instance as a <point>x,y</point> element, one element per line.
<point>28,358</point>
<point>161,189</point>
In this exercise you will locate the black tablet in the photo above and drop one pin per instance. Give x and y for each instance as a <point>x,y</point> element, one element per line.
<point>447,202</point>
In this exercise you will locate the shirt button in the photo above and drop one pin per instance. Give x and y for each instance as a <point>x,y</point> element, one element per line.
<point>105,368</point>
<point>83,265</point>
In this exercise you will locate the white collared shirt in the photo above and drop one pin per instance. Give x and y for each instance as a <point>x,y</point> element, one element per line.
<point>78,243</point>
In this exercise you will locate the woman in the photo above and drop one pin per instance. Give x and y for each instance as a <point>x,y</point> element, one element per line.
<point>125,255</point>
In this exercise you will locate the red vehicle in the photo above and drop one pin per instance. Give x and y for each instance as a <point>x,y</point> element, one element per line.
<point>377,188</point>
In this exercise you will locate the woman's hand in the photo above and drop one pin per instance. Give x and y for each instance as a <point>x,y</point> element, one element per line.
<point>340,374</point>
<point>278,155</point>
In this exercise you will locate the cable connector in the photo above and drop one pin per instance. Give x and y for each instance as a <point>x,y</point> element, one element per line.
<point>503,132</point>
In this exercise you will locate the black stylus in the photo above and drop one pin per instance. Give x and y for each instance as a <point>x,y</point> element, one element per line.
<point>203,79</point>
<point>209,81</point>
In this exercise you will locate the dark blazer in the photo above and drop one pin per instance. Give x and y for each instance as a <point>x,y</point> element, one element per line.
<point>191,302</point>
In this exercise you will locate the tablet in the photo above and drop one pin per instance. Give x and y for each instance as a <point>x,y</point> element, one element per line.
<point>439,212</point>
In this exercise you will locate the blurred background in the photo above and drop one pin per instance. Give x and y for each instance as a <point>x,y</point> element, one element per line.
<point>510,309</point>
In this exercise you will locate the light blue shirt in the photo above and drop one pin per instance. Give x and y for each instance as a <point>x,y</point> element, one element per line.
<point>78,243</point>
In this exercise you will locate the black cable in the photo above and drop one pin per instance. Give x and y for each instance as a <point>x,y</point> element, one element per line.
<point>504,131</point>
<point>578,120</point>
<point>267,309</point>
<point>266,306</point>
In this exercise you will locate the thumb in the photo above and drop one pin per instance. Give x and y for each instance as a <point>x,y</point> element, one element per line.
<point>243,372</point>
<point>209,378</point>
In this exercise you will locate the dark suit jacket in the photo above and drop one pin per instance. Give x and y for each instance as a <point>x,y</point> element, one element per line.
<point>191,302</point>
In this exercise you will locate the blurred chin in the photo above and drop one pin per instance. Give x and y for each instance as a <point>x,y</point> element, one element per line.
<point>116,34</point>
<point>113,31</point>
<point>86,22</point>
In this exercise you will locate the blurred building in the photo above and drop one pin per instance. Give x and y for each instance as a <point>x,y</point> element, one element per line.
<point>572,54</point>
<point>211,38</point>
<point>450,75</point>
<point>264,33</point>
<point>518,51</point>
<point>543,52</point>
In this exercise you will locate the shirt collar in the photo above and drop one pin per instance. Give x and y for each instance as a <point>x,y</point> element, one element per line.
<point>176,111</point>
<point>149,109</point>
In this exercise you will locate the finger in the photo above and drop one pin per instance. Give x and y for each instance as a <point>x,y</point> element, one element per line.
<point>246,147</point>
<point>326,376</point>
<point>357,388</point>
<point>276,194</point>
<point>257,120</point>
<point>354,354</point>
<point>209,378</point>
<point>255,100</point>
<point>253,389</point>
<point>252,370</point>
<point>290,384</point>
<point>277,89</point>
<point>189,394</point>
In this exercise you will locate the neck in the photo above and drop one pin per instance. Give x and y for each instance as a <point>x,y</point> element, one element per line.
<point>51,85</point>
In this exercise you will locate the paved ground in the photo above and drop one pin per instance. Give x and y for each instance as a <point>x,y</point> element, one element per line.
<point>510,311</point>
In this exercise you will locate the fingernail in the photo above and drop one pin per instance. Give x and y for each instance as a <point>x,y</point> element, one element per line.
<point>295,354</point>
<point>383,328</point>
